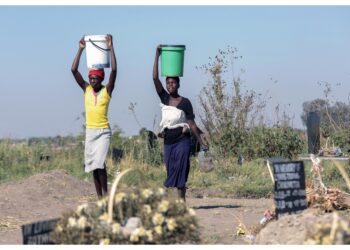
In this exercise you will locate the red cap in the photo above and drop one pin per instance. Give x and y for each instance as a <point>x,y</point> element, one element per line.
<point>97,72</point>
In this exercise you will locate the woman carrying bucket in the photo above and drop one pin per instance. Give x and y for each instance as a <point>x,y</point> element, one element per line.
<point>177,124</point>
<point>98,132</point>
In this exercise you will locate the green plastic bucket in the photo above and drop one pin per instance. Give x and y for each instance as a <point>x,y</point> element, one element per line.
<point>172,60</point>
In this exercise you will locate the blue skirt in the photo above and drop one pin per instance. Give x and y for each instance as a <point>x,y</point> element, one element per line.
<point>177,161</point>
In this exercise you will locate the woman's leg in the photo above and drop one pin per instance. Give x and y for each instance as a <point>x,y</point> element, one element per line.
<point>103,172</point>
<point>182,193</point>
<point>103,180</point>
<point>100,180</point>
<point>97,182</point>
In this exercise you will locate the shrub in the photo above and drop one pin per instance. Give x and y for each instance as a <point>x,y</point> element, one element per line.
<point>233,118</point>
<point>139,146</point>
<point>163,221</point>
<point>268,142</point>
<point>341,138</point>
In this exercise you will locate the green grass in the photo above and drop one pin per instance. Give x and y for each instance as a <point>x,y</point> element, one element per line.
<point>18,161</point>
<point>251,180</point>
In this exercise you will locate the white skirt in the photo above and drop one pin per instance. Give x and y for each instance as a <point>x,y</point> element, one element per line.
<point>97,141</point>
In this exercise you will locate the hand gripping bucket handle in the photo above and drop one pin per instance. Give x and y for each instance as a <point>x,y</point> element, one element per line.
<point>114,189</point>
<point>98,46</point>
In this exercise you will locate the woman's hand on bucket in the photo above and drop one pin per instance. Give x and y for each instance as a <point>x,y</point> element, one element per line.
<point>109,41</point>
<point>82,43</point>
<point>158,49</point>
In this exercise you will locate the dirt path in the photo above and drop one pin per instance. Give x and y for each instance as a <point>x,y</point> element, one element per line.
<point>219,217</point>
<point>46,196</point>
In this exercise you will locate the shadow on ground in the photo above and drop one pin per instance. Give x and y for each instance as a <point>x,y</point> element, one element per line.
<point>215,206</point>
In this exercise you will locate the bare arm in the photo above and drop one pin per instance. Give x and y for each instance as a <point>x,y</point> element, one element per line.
<point>194,130</point>
<point>78,77</point>
<point>113,75</point>
<point>157,82</point>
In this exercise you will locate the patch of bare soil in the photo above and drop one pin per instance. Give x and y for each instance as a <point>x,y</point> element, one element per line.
<point>40,197</point>
<point>298,229</point>
<point>219,217</point>
<point>48,195</point>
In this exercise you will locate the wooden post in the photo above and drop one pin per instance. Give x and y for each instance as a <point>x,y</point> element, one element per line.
<point>270,171</point>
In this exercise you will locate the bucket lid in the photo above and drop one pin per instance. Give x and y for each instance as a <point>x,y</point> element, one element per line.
<point>96,38</point>
<point>177,46</point>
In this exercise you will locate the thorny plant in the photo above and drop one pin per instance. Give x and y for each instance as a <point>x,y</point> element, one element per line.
<point>233,117</point>
<point>223,105</point>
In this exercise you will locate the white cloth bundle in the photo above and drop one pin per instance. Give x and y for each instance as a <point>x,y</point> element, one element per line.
<point>172,117</point>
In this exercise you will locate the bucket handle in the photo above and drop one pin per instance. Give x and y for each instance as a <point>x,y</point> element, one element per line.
<point>114,189</point>
<point>98,46</point>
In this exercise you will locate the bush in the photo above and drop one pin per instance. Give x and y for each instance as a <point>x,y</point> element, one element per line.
<point>233,118</point>
<point>268,142</point>
<point>139,147</point>
<point>163,221</point>
<point>341,139</point>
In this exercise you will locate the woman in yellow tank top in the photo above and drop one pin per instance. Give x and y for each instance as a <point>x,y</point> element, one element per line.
<point>98,132</point>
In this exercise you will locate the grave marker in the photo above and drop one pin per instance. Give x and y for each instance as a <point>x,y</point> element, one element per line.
<point>290,194</point>
<point>38,233</point>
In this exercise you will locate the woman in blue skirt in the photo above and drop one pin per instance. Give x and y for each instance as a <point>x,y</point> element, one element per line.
<point>177,124</point>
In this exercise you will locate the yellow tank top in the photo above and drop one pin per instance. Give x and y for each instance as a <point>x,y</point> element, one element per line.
<point>96,108</point>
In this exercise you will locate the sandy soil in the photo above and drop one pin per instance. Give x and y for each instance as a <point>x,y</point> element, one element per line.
<point>46,196</point>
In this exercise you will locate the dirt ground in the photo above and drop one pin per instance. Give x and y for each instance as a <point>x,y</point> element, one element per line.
<point>47,195</point>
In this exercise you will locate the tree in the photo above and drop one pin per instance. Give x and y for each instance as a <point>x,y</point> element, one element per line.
<point>334,118</point>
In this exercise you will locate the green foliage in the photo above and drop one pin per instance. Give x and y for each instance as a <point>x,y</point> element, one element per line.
<point>252,180</point>
<point>341,139</point>
<point>19,159</point>
<point>117,140</point>
<point>269,142</point>
<point>145,148</point>
<point>260,142</point>
<point>330,174</point>
<point>163,221</point>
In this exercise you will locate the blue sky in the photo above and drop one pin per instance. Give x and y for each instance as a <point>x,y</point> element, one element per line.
<point>296,45</point>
